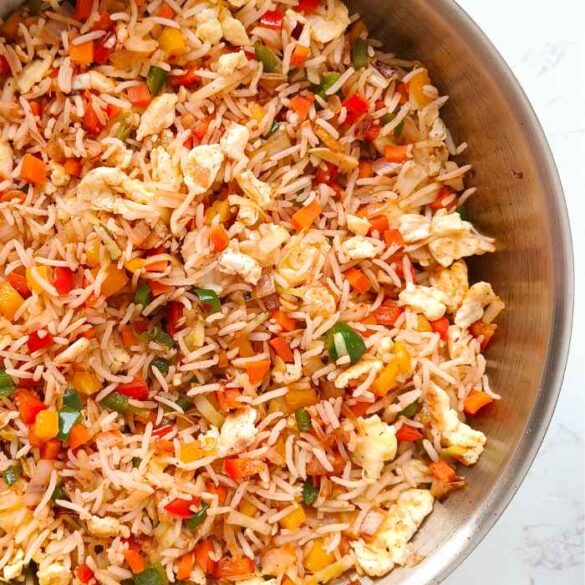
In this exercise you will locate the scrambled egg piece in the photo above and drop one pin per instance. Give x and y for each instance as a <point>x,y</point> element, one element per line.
<point>258,191</point>
<point>109,189</point>
<point>304,255</point>
<point>201,167</point>
<point>360,247</point>
<point>248,212</point>
<point>106,527</point>
<point>6,160</point>
<point>476,298</point>
<point>159,115</point>
<point>33,73</point>
<point>235,262</point>
<point>429,301</point>
<point>318,300</point>
<point>234,31</point>
<point>454,239</point>
<point>326,27</point>
<point>263,243</point>
<point>360,226</point>
<point>13,568</point>
<point>375,444</point>
<point>163,169</point>
<point>229,63</point>
<point>454,433</point>
<point>453,282</point>
<point>54,574</point>
<point>389,547</point>
<point>92,80</point>
<point>284,374</point>
<point>414,227</point>
<point>237,432</point>
<point>410,177</point>
<point>209,28</point>
<point>234,141</point>
<point>357,371</point>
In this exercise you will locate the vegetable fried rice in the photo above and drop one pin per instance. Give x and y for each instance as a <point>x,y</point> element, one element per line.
<point>237,337</point>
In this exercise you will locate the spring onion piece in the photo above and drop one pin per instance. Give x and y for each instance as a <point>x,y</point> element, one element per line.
<point>155,79</point>
<point>124,129</point>
<point>119,403</point>
<point>11,475</point>
<point>142,295</point>
<point>59,493</point>
<point>153,575</point>
<point>343,340</point>
<point>207,410</point>
<point>72,399</point>
<point>310,493</point>
<point>327,80</point>
<point>7,386</point>
<point>198,518</point>
<point>463,213</point>
<point>359,54</point>
<point>161,364</point>
<point>209,300</point>
<point>162,337</point>
<point>387,118</point>
<point>303,419</point>
<point>67,418</point>
<point>185,404</point>
<point>268,59</point>
<point>410,410</point>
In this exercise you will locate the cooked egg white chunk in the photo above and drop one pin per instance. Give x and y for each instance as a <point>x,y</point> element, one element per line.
<point>237,432</point>
<point>159,115</point>
<point>375,444</point>
<point>429,301</point>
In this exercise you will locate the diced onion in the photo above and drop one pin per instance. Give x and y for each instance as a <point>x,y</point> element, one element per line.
<point>208,411</point>
<point>340,347</point>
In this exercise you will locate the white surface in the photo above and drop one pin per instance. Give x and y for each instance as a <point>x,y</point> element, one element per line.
<point>539,539</point>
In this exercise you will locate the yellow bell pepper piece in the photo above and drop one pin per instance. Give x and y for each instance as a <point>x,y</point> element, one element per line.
<point>294,519</point>
<point>402,357</point>
<point>333,571</point>
<point>423,325</point>
<point>86,382</point>
<point>92,254</point>
<point>244,346</point>
<point>172,41</point>
<point>219,208</point>
<point>386,379</point>
<point>328,140</point>
<point>34,274</point>
<point>134,264</point>
<point>10,300</point>
<point>301,398</point>
<point>46,425</point>
<point>247,508</point>
<point>415,88</point>
<point>189,452</point>
<point>318,558</point>
<point>278,405</point>
<point>114,282</point>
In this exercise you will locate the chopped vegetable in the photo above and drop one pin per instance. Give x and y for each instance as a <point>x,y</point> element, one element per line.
<point>410,410</point>
<point>198,518</point>
<point>359,54</point>
<point>159,336</point>
<point>10,300</point>
<point>114,282</point>
<point>387,314</point>
<point>442,471</point>
<point>19,284</point>
<point>161,364</point>
<point>7,386</point>
<point>86,382</point>
<point>172,42</point>
<point>269,60</point>
<point>202,551</point>
<point>234,568</point>
<point>294,520</point>
<point>301,105</point>
<point>256,370</point>
<point>227,399</point>
<point>299,56</point>
<point>219,238</point>
<point>82,10</point>
<point>441,326</point>
<point>300,398</point>
<point>303,419</point>
<point>305,216</point>
<point>188,79</point>
<point>62,279</point>
<point>318,558</point>
<point>407,433</point>
<point>137,389</point>
<point>79,435</point>
<point>358,280</point>
<point>396,154</point>
<point>153,575</point>
<point>142,295</point>
<point>209,300</point>
<point>475,401</point>
<point>35,6</point>
<point>92,124</point>
<point>50,450</point>
<point>82,54</point>
<point>29,405</point>
<point>38,340</point>
<point>282,349</point>
<point>155,79</point>
<point>68,417</point>
<point>119,403</point>
<point>484,330</point>
<point>342,340</point>
<point>185,566</point>
<point>272,19</point>
<point>307,6</point>
<point>135,560</point>
<point>327,80</point>
<point>139,95</point>
<point>46,425</point>
<point>11,474</point>
<point>285,322</point>
<point>84,573</point>
<point>310,493</point>
<point>33,170</point>
<point>181,508</point>
<point>241,468</point>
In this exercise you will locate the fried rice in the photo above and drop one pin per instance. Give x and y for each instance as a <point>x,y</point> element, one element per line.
<point>237,337</point>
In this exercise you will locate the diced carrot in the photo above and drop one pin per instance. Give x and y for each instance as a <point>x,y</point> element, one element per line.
<point>33,170</point>
<point>159,266</point>
<point>228,399</point>
<point>484,330</point>
<point>112,111</point>
<point>80,435</point>
<point>393,237</point>
<point>35,107</point>
<point>359,408</point>
<point>256,370</point>
<point>475,401</point>
<point>29,405</point>
<point>285,322</point>
<point>50,449</point>
<point>396,154</point>
<point>301,105</point>
<point>83,573</point>
<point>230,568</point>
<point>82,54</point>
<point>185,566</point>
<point>19,284</point>
<point>365,170</point>
<point>135,561</point>
<point>91,122</point>
<point>306,215</point>
<point>165,11</point>
<point>442,471</point>
<point>72,167</point>
<point>219,490</point>
<point>299,56</point>
<point>358,280</point>
<point>13,195</point>
<point>282,348</point>
<point>164,445</point>
<point>158,288</point>
<point>387,314</point>
<point>219,238</point>
<point>379,223</point>
<point>202,551</point>
<point>407,433</point>
<point>139,95</point>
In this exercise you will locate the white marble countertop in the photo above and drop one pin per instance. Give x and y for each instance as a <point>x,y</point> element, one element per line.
<point>539,538</point>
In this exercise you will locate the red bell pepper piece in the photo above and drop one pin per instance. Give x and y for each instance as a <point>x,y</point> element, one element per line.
<point>308,6</point>
<point>182,508</point>
<point>440,326</point>
<point>162,431</point>
<point>174,315</point>
<point>4,67</point>
<point>241,468</point>
<point>39,340</point>
<point>138,389</point>
<point>444,199</point>
<point>139,95</point>
<point>406,433</point>
<point>63,279</point>
<point>326,175</point>
<point>356,107</point>
<point>19,283</point>
<point>104,22</point>
<point>82,10</point>
<point>84,573</point>
<point>188,79</point>
<point>387,314</point>
<point>91,122</point>
<point>272,19</point>
<point>29,405</point>
<point>104,47</point>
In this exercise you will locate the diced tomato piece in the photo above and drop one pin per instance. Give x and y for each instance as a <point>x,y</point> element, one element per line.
<point>137,389</point>
<point>272,19</point>
<point>39,340</point>
<point>62,279</point>
<point>182,508</point>
<point>387,314</point>
<point>441,326</point>
<point>174,314</point>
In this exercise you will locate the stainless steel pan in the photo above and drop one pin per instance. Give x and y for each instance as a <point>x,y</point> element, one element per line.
<point>520,202</point>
